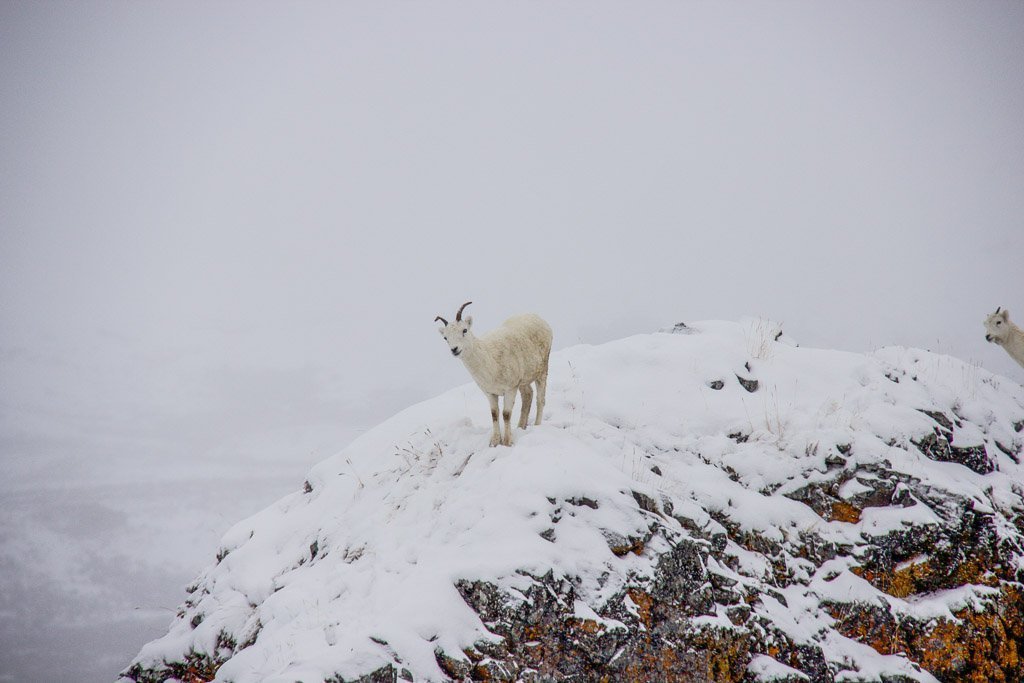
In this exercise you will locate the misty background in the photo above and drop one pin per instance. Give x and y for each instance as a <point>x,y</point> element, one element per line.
<point>225,231</point>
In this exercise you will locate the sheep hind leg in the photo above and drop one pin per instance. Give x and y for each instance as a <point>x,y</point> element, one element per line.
<point>542,390</point>
<point>526,393</point>
<point>506,413</point>
<point>495,432</point>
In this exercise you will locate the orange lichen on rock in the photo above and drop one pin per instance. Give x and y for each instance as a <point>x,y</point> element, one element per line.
<point>922,575</point>
<point>655,662</point>
<point>588,626</point>
<point>644,602</point>
<point>723,660</point>
<point>627,546</point>
<point>728,655</point>
<point>977,647</point>
<point>845,512</point>
<point>907,579</point>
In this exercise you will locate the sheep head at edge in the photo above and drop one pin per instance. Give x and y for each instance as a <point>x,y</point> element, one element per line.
<point>997,326</point>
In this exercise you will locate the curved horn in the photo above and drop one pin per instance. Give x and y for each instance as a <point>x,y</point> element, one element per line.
<point>998,308</point>
<point>458,316</point>
<point>441,319</point>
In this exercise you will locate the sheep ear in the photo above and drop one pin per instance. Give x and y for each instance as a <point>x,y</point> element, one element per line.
<point>1005,314</point>
<point>468,320</point>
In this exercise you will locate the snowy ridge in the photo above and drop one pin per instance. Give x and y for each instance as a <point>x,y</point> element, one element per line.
<point>791,470</point>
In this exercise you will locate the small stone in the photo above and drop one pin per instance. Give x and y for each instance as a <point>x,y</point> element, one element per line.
<point>622,545</point>
<point>458,669</point>
<point>833,461</point>
<point>491,670</point>
<point>645,502</point>
<point>748,384</point>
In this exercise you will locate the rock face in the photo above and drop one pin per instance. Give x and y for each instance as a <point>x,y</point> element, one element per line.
<point>829,517</point>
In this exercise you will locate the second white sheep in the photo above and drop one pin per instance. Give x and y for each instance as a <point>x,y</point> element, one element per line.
<point>999,330</point>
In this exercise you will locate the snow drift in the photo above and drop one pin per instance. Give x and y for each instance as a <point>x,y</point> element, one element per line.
<point>707,503</point>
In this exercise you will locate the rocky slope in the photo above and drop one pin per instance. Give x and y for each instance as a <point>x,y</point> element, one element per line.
<point>711,503</point>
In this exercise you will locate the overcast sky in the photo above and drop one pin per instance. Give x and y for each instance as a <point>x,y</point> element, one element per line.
<point>222,216</point>
<point>219,219</point>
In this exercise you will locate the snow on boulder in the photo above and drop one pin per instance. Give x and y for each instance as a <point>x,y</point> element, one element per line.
<point>709,503</point>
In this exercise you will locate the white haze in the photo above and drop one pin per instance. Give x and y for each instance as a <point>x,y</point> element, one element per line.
<point>225,230</point>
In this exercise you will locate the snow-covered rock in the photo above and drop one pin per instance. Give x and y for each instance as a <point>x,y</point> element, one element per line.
<point>709,503</point>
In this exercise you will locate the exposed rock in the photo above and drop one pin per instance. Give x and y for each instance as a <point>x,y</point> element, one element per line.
<point>977,645</point>
<point>680,328</point>
<point>385,674</point>
<point>643,636</point>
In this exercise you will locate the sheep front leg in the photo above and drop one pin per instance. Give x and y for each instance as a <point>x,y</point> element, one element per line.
<point>495,433</point>
<point>506,413</point>
<point>526,393</point>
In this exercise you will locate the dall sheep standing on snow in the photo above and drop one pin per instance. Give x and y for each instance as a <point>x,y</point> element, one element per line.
<point>504,361</point>
<point>999,330</point>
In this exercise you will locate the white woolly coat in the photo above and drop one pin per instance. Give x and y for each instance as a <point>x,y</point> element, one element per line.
<point>509,356</point>
<point>1013,342</point>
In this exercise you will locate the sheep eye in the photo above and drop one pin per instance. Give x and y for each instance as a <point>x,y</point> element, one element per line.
<point>465,331</point>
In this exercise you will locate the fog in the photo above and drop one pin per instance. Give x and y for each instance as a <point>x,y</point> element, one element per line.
<point>225,229</point>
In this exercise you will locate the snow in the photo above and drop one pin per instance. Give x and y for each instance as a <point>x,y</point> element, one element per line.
<point>765,669</point>
<point>361,570</point>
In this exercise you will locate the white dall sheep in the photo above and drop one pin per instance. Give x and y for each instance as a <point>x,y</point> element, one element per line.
<point>999,330</point>
<point>504,361</point>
